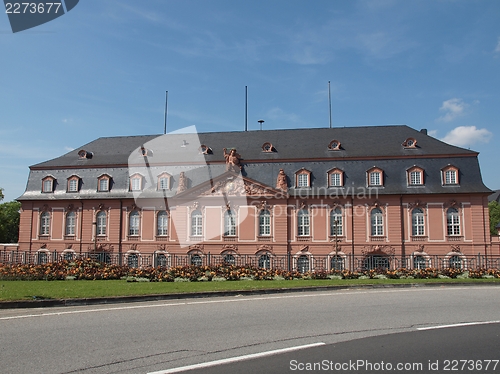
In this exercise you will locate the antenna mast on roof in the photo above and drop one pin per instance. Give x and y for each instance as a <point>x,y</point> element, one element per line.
<point>330,103</point>
<point>246,108</point>
<point>166,107</point>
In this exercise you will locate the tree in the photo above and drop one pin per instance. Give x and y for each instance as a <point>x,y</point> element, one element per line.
<point>1,194</point>
<point>9,222</point>
<point>494,209</point>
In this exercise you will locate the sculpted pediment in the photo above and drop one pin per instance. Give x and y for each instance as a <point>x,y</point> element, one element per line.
<point>231,184</point>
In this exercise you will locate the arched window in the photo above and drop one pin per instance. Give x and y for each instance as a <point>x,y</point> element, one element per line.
<point>455,262</point>
<point>229,259</point>
<point>303,264</point>
<point>196,223</point>
<point>133,260</point>
<point>377,222</point>
<point>229,223</point>
<point>337,263</point>
<point>372,262</point>
<point>303,226</point>
<point>196,260</point>
<point>101,223</point>
<point>417,222</point>
<point>134,223</point>
<point>70,223</point>
<point>265,261</point>
<point>336,222</point>
<point>265,223</point>
<point>453,221</point>
<point>45,223</point>
<point>419,262</point>
<point>160,260</point>
<point>162,223</point>
<point>42,256</point>
<point>68,254</point>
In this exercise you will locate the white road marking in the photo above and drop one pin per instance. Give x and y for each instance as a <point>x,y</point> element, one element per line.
<point>237,298</point>
<point>457,325</point>
<point>236,359</point>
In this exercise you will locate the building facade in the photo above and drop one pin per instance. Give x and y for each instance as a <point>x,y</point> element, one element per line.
<point>305,199</point>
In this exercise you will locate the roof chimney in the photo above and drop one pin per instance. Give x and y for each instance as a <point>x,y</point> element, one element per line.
<point>424,131</point>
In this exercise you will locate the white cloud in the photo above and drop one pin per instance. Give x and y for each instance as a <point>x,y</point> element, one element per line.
<point>68,149</point>
<point>467,135</point>
<point>452,109</point>
<point>432,133</point>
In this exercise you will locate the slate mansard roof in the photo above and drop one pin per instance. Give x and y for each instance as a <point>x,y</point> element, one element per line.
<point>361,148</point>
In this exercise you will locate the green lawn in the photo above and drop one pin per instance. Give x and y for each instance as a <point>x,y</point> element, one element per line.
<point>28,290</point>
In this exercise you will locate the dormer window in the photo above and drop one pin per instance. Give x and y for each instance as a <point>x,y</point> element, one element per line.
<point>48,184</point>
<point>415,176</point>
<point>145,152</point>
<point>410,143</point>
<point>83,154</point>
<point>303,178</point>
<point>73,184</point>
<point>205,149</point>
<point>136,182</point>
<point>334,145</point>
<point>335,178</point>
<point>450,176</point>
<point>104,183</point>
<point>267,147</point>
<point>164,181</point>
<point>375,177</point>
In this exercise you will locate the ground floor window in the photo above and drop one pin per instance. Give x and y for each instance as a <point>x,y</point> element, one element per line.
<point>303,264</point>
<point>376,262</point>
<point>337,263</point>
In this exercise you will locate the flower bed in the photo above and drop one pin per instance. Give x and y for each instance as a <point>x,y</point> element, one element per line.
<point>88,269</point>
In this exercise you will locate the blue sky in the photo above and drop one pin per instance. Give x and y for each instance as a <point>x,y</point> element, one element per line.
<point>103,69</point>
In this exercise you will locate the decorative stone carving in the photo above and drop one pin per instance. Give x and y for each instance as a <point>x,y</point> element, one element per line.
<point>229,247</point>
<point>281,182</point>
<point>420,248</point>
<point>455,248</point>
<point>196,247</point>
<point>183,183</point>
<point>236,187</point>
<point>232,160</point>
<point>378,249</point>
<point>264,248</point>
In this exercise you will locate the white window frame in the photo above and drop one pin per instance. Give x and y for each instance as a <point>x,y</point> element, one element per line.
<point>453,222</point>
<point>415,178</point>
<point>229,223</point>
<point>265,223</point>
<point>136,183</point>
<point>162,223</point>
<point>48,185</point>
<point>336,215</point>
<point>196,223</point>
<point>302,180</point>
<point>377,222</point>
<point>45,224</point>
<point>418,222</point>
<point>101,223</point>
<point>103,184</point>
<point>70,224</point>
<point>375,178</point>
<point>164,183</point>
<point>73,185</point>
<point>303,223</point>
<point>335,179</point>
<point>134,226</point>
<point>450,177</point>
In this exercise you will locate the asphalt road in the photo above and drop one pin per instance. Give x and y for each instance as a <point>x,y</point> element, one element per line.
<point>149,337</point>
